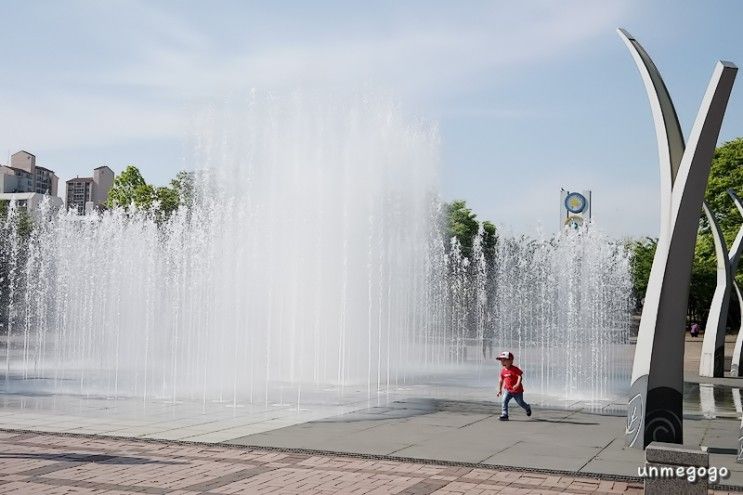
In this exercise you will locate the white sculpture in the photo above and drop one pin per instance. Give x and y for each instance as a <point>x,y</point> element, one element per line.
<point>655,408</point>
<point>736,365</point>
<point>712,359</point>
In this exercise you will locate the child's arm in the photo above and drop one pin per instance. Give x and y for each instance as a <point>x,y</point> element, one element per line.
<point>518,382</point>
<point>500,387</point>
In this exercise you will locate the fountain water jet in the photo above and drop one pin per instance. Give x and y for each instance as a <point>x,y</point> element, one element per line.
<point>313,257</point>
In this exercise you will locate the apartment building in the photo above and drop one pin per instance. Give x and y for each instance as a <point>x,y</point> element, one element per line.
<point>43,180</point>
<point>26,183</point>
<point>86,194</point>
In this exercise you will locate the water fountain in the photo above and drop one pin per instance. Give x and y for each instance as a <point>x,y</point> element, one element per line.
<point>562,304</point>
<point>312,260</point>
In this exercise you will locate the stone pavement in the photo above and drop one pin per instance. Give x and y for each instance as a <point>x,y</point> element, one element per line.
<point>567,442</point>
<point>559,440</point>
<point>35,463</point>
<point>451,428</point>
<point>33,404</point>
<point>692,354</point>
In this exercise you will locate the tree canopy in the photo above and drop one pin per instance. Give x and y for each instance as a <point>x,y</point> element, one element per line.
<point>462,224</point>
<point>726,173</point>
<point>24,221</point>
<point>130,189</point>
<point>489,237</point>
<point>183,185</point>
<point>643,252</point>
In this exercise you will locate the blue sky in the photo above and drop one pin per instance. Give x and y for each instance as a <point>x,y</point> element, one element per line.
<point>528,96</point>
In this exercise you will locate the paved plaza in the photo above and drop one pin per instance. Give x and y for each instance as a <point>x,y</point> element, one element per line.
<point>417,440</point>
<point>32,463</point>
<point>561,440</point>
<point>554,446</point>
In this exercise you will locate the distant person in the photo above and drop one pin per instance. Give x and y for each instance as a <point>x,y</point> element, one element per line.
<point>694,330</point>
<point>487,347</point>
<point>510,379</point>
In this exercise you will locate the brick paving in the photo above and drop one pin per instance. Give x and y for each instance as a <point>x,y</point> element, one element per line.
<point>36,463</point>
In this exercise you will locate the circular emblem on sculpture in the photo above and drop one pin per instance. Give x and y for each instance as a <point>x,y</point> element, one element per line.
<point>663,425</point>
<point>575,202</point>
<point>574,222</point>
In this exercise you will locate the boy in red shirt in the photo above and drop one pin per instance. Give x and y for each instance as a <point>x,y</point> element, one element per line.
<point>510,378</point>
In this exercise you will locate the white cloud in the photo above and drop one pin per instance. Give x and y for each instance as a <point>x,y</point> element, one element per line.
<point>443,56</point>
<point>72,120</point>
<point>144,68</point>
<point>154,57</point>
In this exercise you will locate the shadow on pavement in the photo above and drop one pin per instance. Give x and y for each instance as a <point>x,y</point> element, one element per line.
<point>564,421</point>
<point>75,457</point>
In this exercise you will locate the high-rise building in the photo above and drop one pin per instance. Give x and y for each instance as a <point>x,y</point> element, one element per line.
<point>86,194</point>
<point>45,181</point>
<point>14,180</point>
<point>25,183</point>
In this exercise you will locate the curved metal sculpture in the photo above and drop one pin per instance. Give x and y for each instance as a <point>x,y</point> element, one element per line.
<point>654,411</point>
<point>712,359</point>
<point>736,364</point>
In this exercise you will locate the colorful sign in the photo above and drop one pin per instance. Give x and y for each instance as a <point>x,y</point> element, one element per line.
<point>575,202</point>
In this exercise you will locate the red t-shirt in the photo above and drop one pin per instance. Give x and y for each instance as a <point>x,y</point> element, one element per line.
<point>509,377</point>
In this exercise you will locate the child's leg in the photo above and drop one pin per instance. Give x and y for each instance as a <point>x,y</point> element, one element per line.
<point>520,401</point>
<point>519,398</point>
<point>506,399</point>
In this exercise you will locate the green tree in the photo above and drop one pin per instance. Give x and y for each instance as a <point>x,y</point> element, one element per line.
<point>129,189</point>
<point>183,185</point>
<point>642,253</point>
<point>462,224</point>
<point>726,173</point>
<point>168,201</point>
<point>25,223</point>
<point>489,240</point>
<point>703,278</point>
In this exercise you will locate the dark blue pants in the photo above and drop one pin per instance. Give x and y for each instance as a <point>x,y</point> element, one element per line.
<point>519,398</point>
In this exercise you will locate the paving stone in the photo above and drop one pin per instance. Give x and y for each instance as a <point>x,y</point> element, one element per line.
<point>80,465</point>
<point>433,430</point>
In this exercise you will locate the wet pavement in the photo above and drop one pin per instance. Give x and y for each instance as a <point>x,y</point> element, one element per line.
<point>452,419</point>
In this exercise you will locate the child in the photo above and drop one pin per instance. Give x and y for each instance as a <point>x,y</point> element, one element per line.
<point>510,378</point>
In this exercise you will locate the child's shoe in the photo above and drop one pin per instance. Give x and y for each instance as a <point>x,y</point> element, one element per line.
<point>503,417</point>
<point>528,410</point>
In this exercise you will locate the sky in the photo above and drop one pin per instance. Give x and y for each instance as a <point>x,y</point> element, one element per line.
<point>528,96</point>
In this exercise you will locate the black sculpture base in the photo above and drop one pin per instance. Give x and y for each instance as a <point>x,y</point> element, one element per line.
<point>653,415</point>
